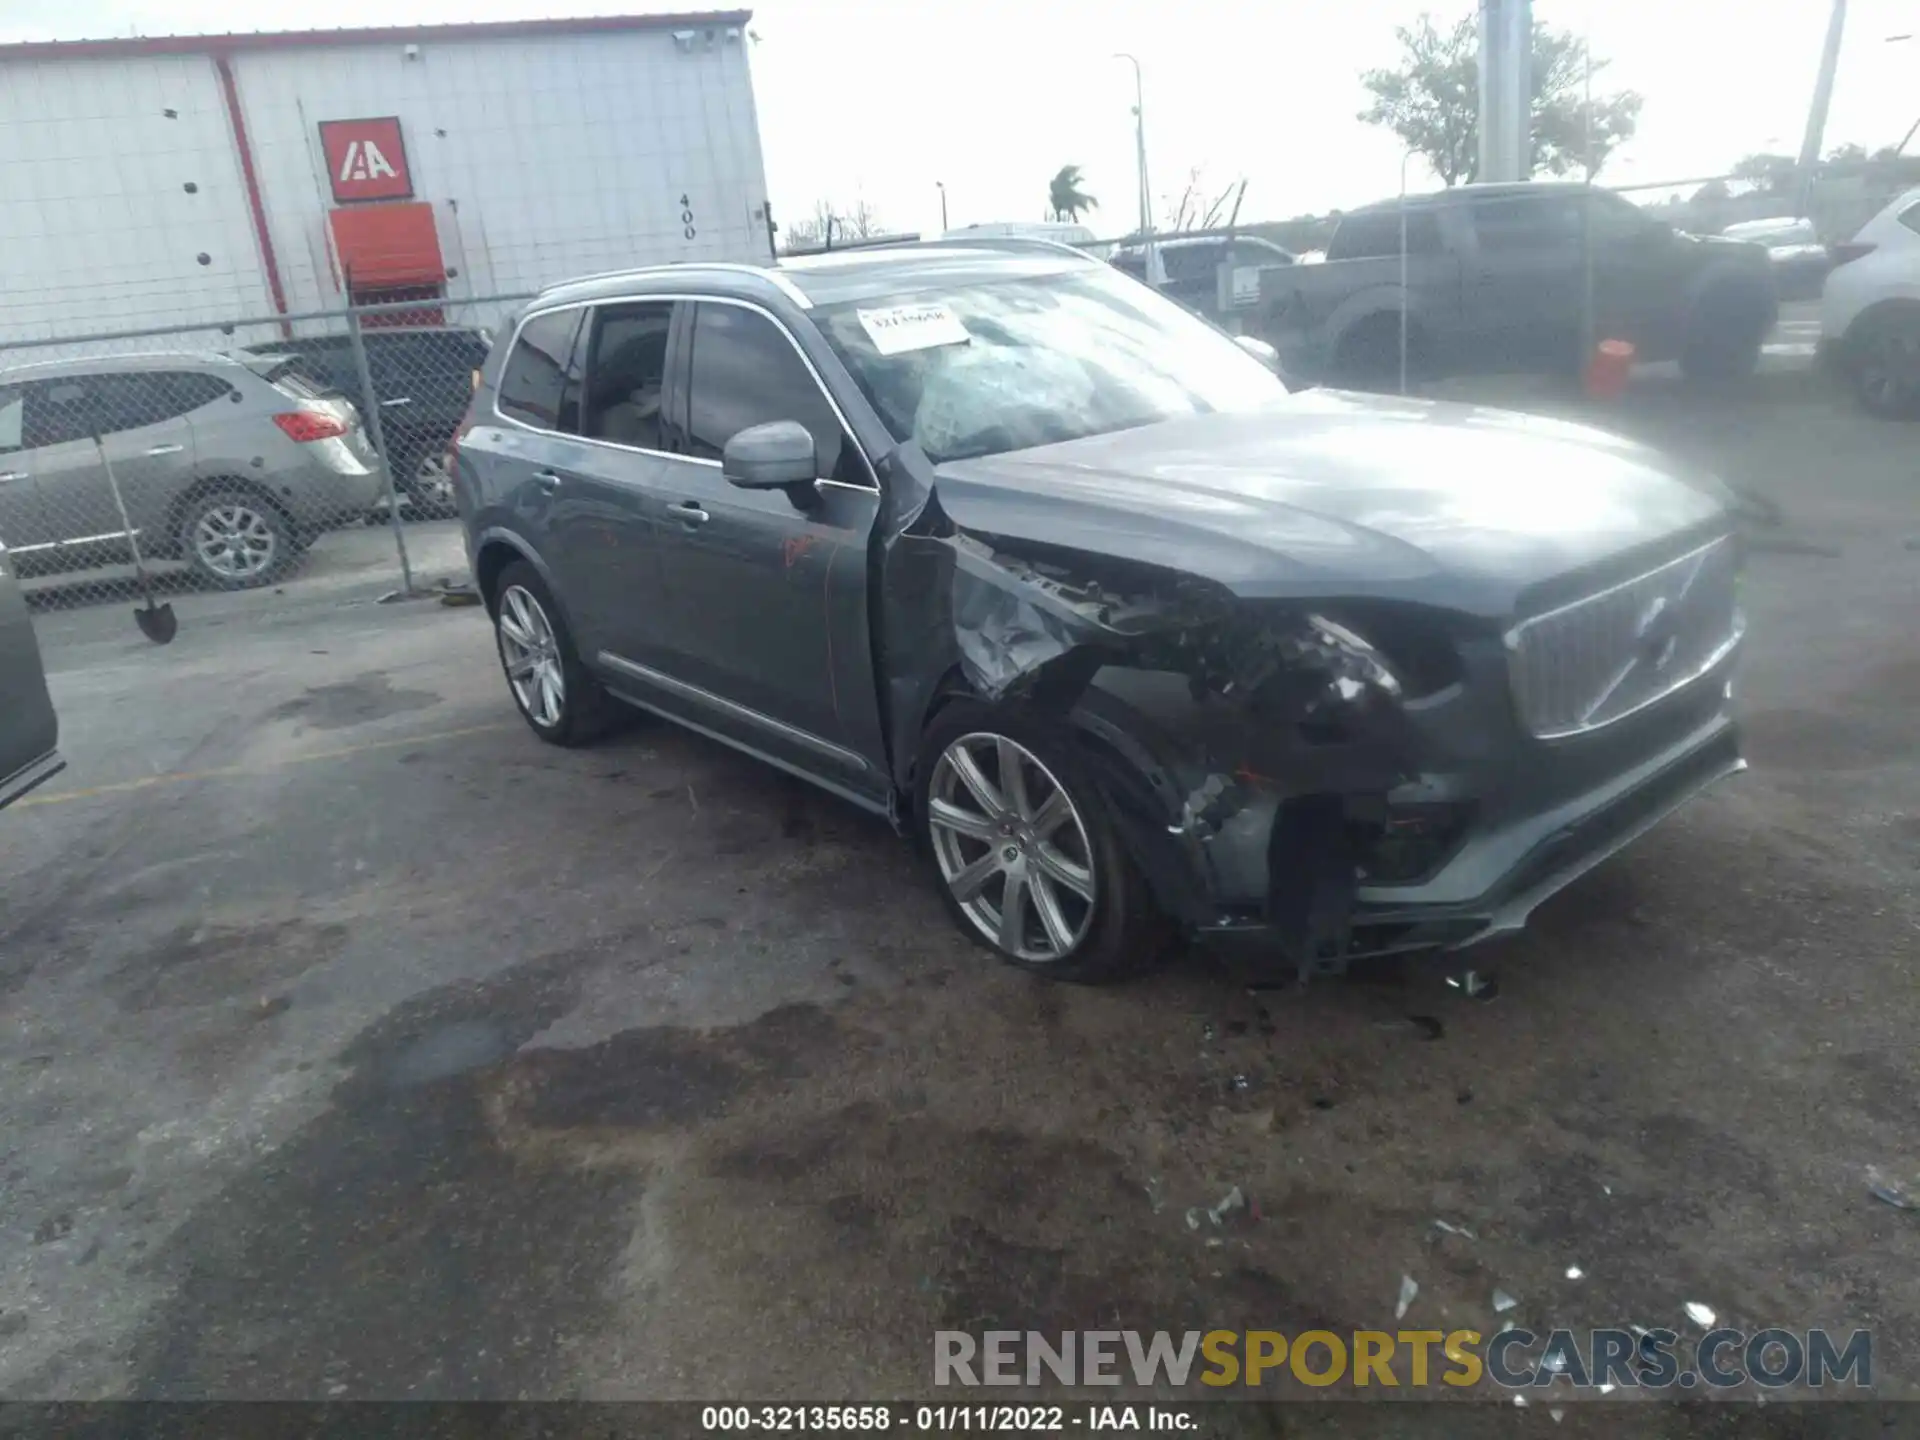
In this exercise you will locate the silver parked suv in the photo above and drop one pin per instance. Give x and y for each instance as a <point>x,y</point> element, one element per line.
<point>230,464</point>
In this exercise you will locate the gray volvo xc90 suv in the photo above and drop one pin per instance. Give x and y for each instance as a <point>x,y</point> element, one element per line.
<point>993,540</point>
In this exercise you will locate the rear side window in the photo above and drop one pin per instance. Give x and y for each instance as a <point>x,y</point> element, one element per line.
<point>1504,226</point>
<point>1910,217</point>
<point>541,383</point>
<point>626,373</point>
<point>190,390</point>
<point>1377,234</point>
<point>1132,264</point>
<point>747,372</point>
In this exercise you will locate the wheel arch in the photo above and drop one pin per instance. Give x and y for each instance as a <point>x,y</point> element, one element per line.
<point>1891,308</point>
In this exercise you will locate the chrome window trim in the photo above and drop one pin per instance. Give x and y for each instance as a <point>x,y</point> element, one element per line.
<point>699,299</point>
<point>771,274</point>
<point>702,696</point>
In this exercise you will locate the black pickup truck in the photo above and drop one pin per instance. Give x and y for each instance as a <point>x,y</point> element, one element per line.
<point>422,380</point>
<point>1494,280</point>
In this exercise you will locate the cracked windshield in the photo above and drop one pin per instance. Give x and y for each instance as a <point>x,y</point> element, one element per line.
<point>910,717</point>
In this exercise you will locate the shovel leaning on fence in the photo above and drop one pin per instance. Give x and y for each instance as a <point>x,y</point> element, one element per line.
<point>156,622</point>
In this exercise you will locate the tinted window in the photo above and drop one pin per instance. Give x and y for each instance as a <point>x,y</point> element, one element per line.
<point>1528,224</point>
<point>59,411</point>
<point>626,372</point>
<point>1377,233</point>
<point>1134,263</point>
<point>541,384</point>
<point>1910,217</point>
<point>188,391</point>
<point>746,372</point>
<point>1190,262</point>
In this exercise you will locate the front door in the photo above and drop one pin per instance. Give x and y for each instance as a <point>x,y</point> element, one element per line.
<point>137,417</point>
<point>766,590</point>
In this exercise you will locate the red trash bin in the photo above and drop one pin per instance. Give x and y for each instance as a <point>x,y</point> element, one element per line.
<point>1608,370</point>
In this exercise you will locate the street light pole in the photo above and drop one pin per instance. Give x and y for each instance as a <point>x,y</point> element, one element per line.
<point>1140,161</point>
<point>941,186</point>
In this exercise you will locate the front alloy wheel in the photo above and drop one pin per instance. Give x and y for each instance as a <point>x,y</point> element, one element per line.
<point>1012,848</point>
<point>531,654</point>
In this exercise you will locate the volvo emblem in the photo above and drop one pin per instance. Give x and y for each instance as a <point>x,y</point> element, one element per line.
<point>1657,635</point>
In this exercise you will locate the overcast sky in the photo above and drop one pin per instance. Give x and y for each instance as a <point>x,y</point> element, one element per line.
<point>878,99</point>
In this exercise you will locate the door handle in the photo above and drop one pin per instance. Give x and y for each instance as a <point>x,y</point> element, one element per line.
<point>689,512</point>
<point>403,400</point>
<point>546,480</point>
<point>166,449</point>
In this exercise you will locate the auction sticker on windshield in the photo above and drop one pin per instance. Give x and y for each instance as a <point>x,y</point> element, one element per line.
<point>900,328</point>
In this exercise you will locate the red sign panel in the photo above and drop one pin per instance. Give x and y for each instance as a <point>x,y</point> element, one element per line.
<point>366,159</point>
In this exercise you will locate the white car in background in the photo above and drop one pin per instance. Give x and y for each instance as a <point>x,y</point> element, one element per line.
<point>1870,310</point>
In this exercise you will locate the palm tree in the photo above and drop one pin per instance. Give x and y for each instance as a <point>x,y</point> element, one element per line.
<point>1065,197</point>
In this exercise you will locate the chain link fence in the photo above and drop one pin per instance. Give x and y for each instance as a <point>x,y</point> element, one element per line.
<point>235,454</point>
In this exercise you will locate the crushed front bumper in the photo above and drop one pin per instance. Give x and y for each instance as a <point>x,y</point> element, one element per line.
<point>1530,858</point>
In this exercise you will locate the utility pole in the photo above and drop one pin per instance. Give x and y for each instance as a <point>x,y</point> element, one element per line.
<point>1822,98</point>
<point>1140,160</point>
<point>941,186</point>
<point>1506,90</point>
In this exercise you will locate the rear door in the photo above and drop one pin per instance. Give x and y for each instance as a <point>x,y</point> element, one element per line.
<point>766,591</point>
<point>28,729</point>
<point>608,515</point>
<point>1526,282</point>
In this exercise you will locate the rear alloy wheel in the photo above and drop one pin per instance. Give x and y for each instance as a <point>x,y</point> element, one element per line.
<point>428,487</point>
<point>236,539</point>
<point>1886,372</point>
<point>1025,850</point>
<point>562,703</point>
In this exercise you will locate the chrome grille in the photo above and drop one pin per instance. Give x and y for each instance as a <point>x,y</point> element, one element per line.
<point>1601,658</point>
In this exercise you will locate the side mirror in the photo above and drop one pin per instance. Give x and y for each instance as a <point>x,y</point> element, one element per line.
<point>772,456</point>
<point>1260,350</point>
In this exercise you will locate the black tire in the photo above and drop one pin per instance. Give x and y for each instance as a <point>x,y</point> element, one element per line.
<point>420,475</point>
<point>261,541</point>
<point>582,711</point>
<point>1884,365</point>
<point>1116,931</point>
<point>1367,357</point>
<point>1725,335</point>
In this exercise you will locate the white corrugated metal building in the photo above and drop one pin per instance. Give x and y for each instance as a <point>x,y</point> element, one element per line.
<point>183,179</point>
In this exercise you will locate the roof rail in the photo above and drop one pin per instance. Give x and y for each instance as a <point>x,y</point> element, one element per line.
<point>770,273</point>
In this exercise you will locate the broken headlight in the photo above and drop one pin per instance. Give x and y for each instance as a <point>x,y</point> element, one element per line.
<point>1359,664</point>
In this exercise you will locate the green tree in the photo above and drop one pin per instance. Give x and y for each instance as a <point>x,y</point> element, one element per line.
<point>1431,100</point>
<point>1770,174</point>
<point>1066,200</point>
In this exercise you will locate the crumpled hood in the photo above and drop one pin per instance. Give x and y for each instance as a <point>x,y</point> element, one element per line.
<point>1327,492</point>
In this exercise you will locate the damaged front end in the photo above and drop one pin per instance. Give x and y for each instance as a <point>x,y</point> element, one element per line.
<point>1248,748</point>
